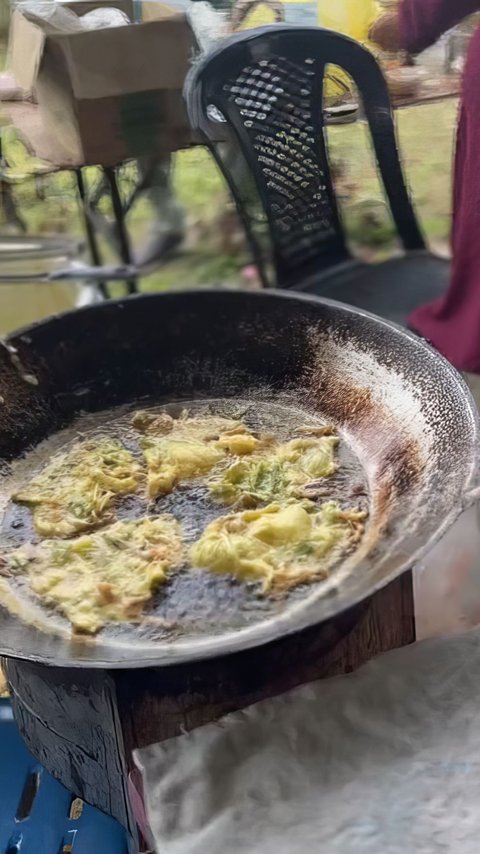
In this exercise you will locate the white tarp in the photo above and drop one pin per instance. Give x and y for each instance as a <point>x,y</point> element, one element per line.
<point>383,761</point>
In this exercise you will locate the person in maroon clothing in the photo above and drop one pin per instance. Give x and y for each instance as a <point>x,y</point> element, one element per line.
<point>452,323</point>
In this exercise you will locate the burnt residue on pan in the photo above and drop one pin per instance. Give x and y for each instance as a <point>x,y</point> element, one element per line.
<point>401,409</point>
<point>364,398</point>
<point>399,455</point>
<point>192,602</point>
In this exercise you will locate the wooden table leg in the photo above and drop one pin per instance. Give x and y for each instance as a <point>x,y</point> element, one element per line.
<point>84,724</point>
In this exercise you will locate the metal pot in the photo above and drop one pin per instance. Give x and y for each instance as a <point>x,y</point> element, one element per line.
<point>402,408</point>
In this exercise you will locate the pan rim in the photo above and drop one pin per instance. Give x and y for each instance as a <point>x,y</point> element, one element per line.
<point>169,653</point>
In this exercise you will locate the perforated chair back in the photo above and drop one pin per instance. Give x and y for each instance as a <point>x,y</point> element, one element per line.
<point>266,86</point>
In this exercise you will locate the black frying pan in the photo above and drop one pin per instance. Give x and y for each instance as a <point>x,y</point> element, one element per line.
<point>402,409</point>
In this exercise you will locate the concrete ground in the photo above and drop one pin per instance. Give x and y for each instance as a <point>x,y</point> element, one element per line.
<point>473,382</point>
<point>447,583</point>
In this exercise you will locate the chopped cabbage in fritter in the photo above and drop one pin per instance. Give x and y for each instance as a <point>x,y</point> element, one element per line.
<point>170,461</point>
<point>106,576</point>
<point>311,457</point>
<point>278,538</point>
<point>278,473</point>
<point>280,546</point>
<point>76,490</point>
<point>179,450</point>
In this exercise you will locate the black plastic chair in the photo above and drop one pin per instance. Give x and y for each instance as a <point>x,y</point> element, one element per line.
<point>266,86</point>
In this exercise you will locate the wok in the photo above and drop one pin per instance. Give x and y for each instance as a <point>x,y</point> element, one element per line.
<point>401,408</point>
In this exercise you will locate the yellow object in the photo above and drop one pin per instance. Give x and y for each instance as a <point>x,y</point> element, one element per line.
<point>260,16</point>
<point>352,18</point>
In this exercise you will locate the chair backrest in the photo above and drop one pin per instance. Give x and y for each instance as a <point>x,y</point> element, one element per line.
<point>267,86</point>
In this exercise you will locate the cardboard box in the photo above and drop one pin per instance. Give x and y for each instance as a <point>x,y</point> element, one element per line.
<point>110,94</point>
<point>25,43</point>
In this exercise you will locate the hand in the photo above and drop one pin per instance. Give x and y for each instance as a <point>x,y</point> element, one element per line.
<point>386,32</point>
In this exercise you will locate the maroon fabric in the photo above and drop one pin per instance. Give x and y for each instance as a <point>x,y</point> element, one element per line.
<point>452,323</point>
<point>423,21</point>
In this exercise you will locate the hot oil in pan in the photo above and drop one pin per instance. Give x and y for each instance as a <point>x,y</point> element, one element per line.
<point>191,602</point>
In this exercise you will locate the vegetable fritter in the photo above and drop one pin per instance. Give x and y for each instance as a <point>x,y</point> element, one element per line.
<point>277,474</point>
<point>76,490</point>
<point>281,546</point>
<point>273,534</point>
<point>178,450</point>
<point>106,576</point>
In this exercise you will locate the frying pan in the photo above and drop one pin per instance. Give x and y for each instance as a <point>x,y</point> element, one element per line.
<point>400,407</point>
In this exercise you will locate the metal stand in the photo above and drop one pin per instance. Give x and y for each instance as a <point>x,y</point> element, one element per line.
<point>119,214</point>
<point>90,231</point>
<point>100,230</point>
<point>91,216</point>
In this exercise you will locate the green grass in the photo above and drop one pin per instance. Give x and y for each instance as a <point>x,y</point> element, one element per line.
<point>425,135</point>
<point>427,140</point>
<point>198,183</point>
